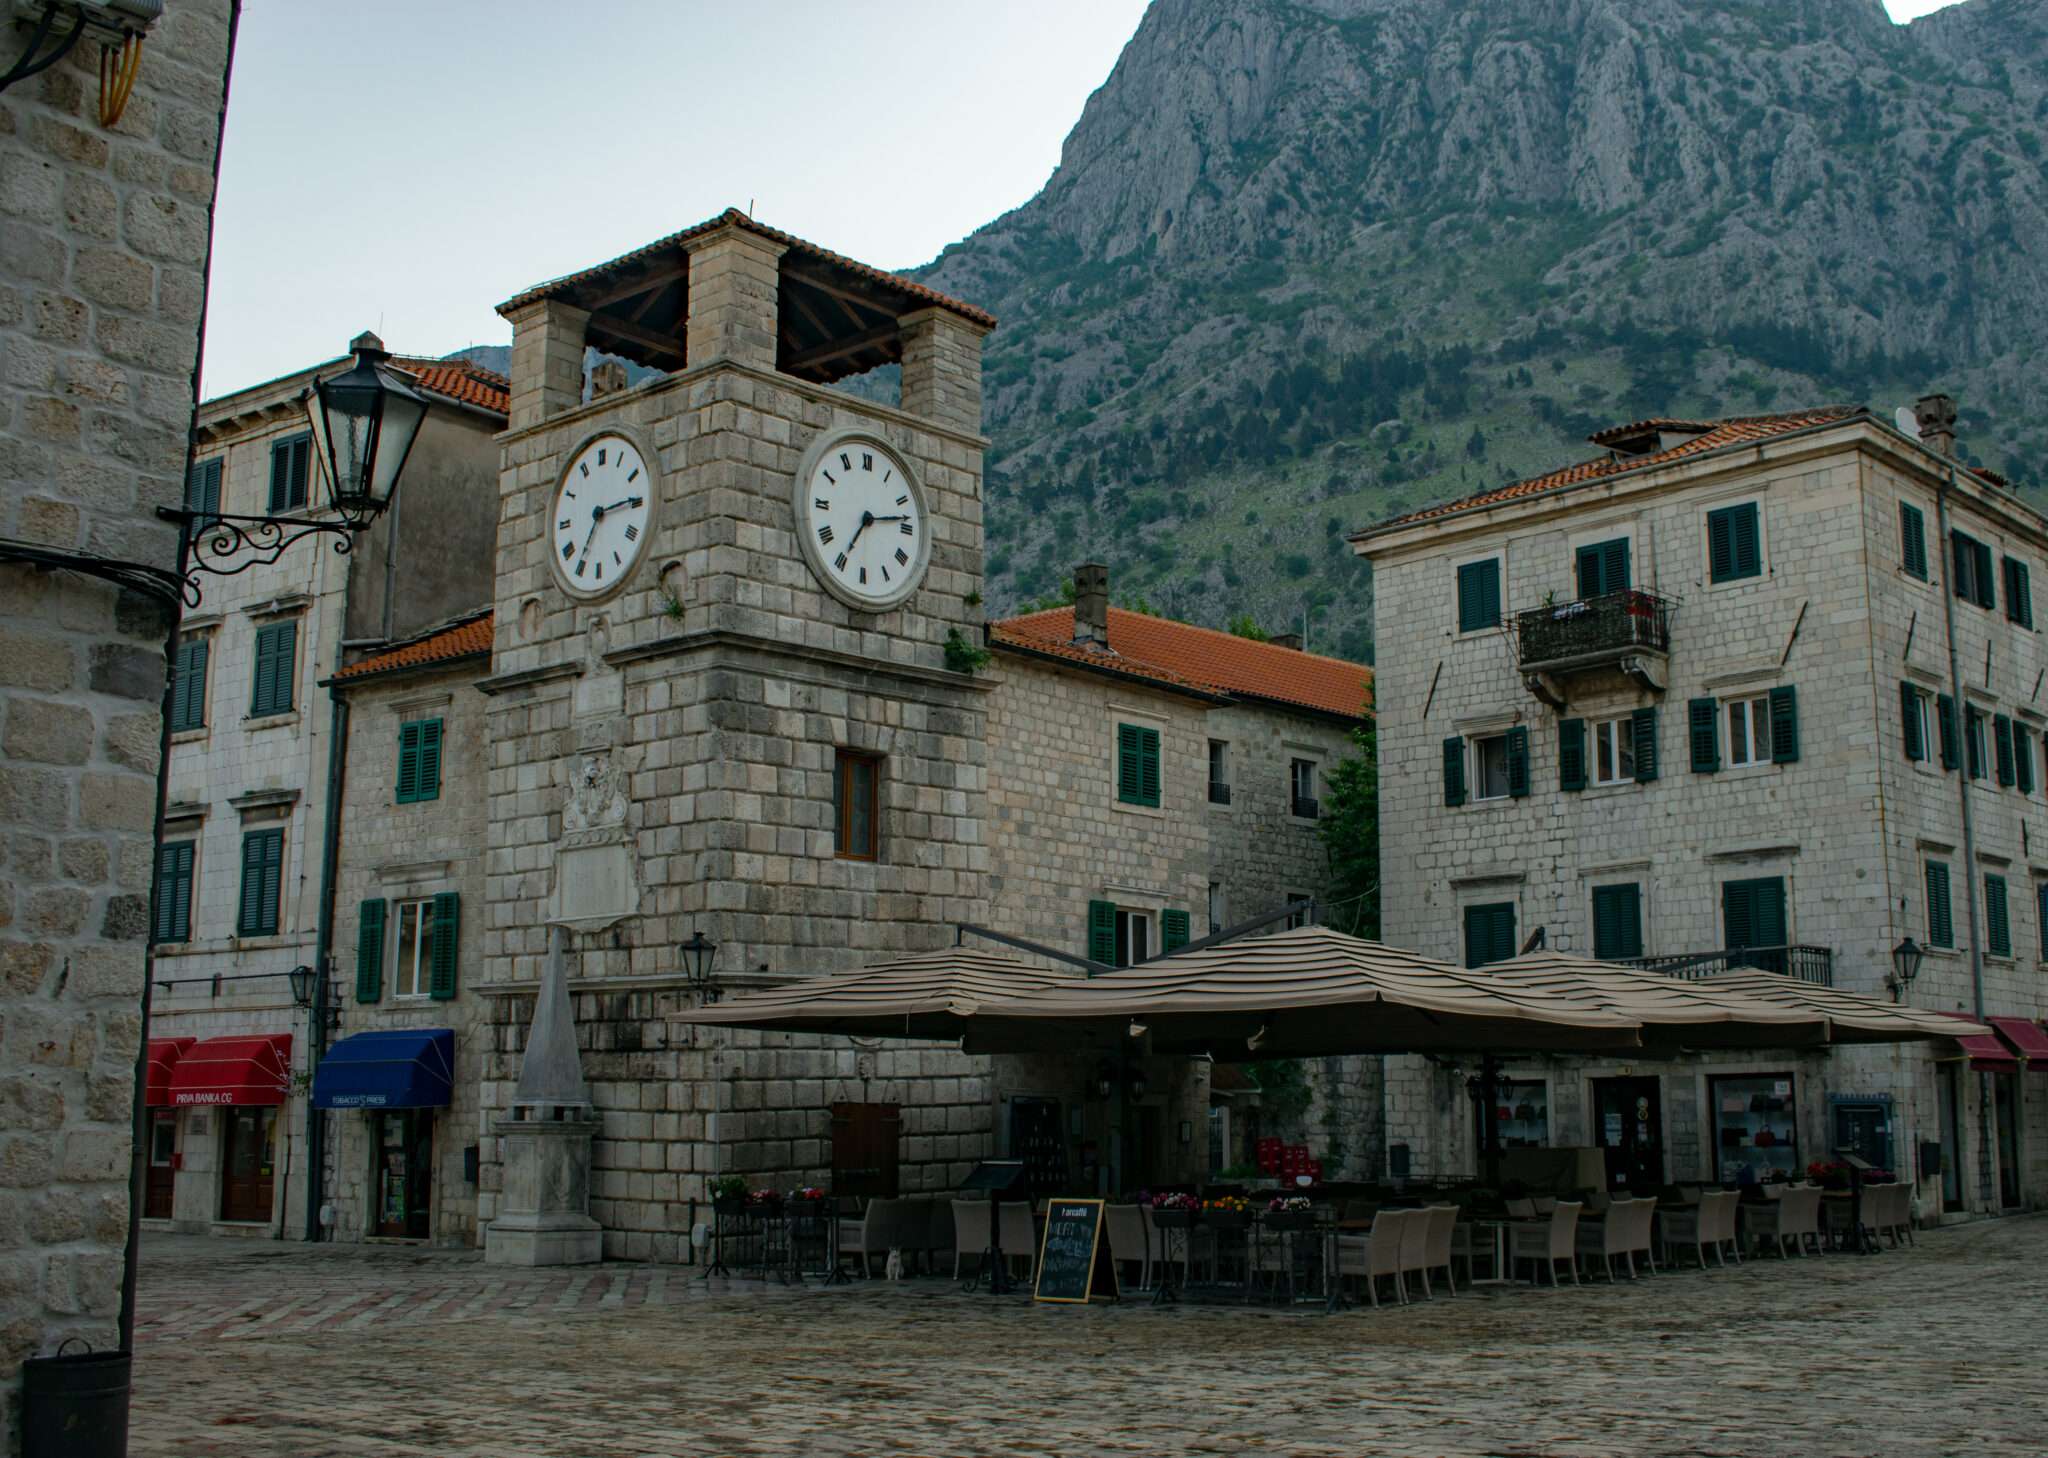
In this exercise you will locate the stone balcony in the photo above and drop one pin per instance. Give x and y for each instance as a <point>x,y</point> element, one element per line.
<point>1626,632</point>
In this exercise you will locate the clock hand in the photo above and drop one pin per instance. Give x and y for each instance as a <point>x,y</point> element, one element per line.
<point>867,519</point>
<point>597,517</point>
<point>629,501</point>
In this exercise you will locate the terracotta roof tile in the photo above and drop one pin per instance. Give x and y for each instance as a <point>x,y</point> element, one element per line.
<point>463,380</point>
<point>468,638</point>
<point>1736,430</point>
<point>1203,658</point>
<point>795,244</point>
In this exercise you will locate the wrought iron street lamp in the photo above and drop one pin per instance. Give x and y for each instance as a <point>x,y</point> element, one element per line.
<point>1905,967</point>
<point>367,421</point>
<point>302,981</point>
<point>700,958</point>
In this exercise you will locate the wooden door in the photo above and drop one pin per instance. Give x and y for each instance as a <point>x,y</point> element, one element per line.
<point>1951,1138</point>
<point>248,1162</point>
<point>1628,1123</point>
<point>866,1144</point>
<point>161,1182</point>
<point>2008,1139</point>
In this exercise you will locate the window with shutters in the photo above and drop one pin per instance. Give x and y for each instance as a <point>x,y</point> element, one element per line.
<point>174,862</point>
<point>262,883</point>
<point>1618,922</point>
<point>1951,734</point>
<point>276,654</point>
<point>2019,593</point>
<point>1614,752</point>
<point>188,683</point>
<point>1602,567</point>
<point>2041,917</point>
<point>856,806</point>
<point>2022,759</point>
<point>1997,920</point>
<point>202,489</point>
<point>291,464</point>
<point>1749,731</point>
<point>1490,767</point>
<point>1753,915</point>
<point>1133,937</point>
<point>1489,933</point>
<point>1479,595</point>
<point>1976,748</point>
<point>2001,745</point>
<point>1916,723</point>
<point>1703,735</point>
<point>419,761</point>
<point>1971,561</point>
<point>413,951</point>
<point>1734,543</point>
<point>1913,540</point>
<point>1941,924</point>
<point>1173,929</point>
<point>1137,765</point>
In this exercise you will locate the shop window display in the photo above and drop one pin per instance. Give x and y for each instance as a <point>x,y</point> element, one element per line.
<point>1524,1115</point>
<point>1756,1128</point>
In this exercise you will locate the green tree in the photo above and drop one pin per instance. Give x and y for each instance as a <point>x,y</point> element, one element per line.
<point>1351,835</point>
<point>1244,625</point>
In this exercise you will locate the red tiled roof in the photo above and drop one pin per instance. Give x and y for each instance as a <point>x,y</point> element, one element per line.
<point>463,380</point>
<point>789,240</point>
<point>1203,658</point>
<point>1635,428</point>
<point>1736,430</point>
<point>468,638</point>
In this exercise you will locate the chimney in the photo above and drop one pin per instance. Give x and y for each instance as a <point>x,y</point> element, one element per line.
<point>1091,605</point>
<point>1936,417</point>
<point>1286,640</point>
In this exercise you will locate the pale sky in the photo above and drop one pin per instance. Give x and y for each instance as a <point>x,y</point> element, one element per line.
<point>406,165</point>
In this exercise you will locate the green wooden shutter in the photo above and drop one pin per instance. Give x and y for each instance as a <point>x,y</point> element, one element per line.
<point>2041,915</point>
<point>1129,777</point>
<point>447,944</point>
<point>1784,725</point>
<point>1738,921</point>
<point>1749,551</point>
<point>1102,932</point>
<point>1998,926</point>
<point>1720,546</point>
<point>173,921</point>
<point>1454,771</point>
<point>2019,596</point>
<point>1941,929</point>
<point>430,760</point>
<point>1148,765</point>
<point>1973,742</point>
<point>370,950</point>
<point>1603,568</point>
<point>2022,759</point>
<point>1489,933</point>
<point>1987,587</point>
<point>1587,566</point>
<point>1173,930</point>
<point>271,692</point>
<point>2001,741</point>
<point>1909,722</point>
<point>1945,721</point>
<point>188,695</point>
<point>1753,912</point>
<point>1617,922</point>
<point>1518,761</point>
<point>1734,543</point>
<point>280,475</point>
<point>1913,540</point>
<point>1703,728</point>
<point>1571,754</point>
<point>262,883</point>
<point>1479,595</point>
<point>408,783</point>
<point>1643,731</point>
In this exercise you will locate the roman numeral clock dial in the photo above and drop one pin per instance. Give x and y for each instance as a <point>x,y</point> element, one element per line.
<point>602,517</point>
<point>862,520</point>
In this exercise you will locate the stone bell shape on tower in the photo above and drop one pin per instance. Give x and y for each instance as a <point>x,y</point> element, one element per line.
<point>544,1209</point>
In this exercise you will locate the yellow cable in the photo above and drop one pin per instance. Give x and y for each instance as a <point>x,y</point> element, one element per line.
<point>117,79</point>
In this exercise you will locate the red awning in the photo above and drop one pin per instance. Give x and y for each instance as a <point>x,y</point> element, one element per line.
<point>164,1054</point>
<point>1987,1053</point>
<point>254,1070</point>
<point>2027,1040</point>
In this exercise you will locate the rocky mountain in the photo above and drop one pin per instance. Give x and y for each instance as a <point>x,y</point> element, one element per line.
<point>1309,263</point>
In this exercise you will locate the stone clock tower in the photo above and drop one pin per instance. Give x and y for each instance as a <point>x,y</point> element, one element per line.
<point>719,699</point>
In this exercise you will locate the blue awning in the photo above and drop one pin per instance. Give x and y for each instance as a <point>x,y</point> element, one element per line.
<point>398,1068</point>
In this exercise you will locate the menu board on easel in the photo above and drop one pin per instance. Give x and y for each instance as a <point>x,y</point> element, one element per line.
<point>1074,1264</point>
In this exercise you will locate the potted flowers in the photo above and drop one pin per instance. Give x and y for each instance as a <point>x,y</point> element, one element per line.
<point>1290,1212</point>
<point>1227,1212</point>
<point>729,1194</point>
<point>1175,1211</point>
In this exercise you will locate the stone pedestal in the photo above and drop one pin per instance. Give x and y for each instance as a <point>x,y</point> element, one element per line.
<point>542,1215</point>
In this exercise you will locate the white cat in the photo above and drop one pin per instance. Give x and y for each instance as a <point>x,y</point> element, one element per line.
<point>894,1270</point>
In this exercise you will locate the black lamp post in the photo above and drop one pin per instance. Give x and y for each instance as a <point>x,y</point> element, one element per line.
<point>700,957</point>
<point>1905,967</point>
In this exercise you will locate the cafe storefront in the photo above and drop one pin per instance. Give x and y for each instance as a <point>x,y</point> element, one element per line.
<point>242,1083</point>
<point>400,1080</point>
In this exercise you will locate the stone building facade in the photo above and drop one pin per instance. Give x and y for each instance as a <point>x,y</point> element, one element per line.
<point>1705,693</point>
<point>105,230</point>
<point>256,743</point>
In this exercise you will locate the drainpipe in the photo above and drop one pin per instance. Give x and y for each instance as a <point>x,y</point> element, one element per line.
<point>323,944</point>
<point>1942,488</point>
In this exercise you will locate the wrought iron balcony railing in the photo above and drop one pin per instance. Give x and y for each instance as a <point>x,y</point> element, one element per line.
<point>1306,808</point>
<point>1807,964</point>
<point>1592,632</point>
<point>1219,793</point>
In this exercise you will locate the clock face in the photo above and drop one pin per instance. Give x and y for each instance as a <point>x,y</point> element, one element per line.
<point>601,516</point>
<point>863,523</point>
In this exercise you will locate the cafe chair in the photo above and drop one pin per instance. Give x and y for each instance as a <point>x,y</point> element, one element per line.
<point>1606,1237</point>
<point>1128,1241</point>
<point>886,1225</point>
<point>1549,1241</point>
<point>1440,1249</point>
<point>1020,1235</point>
<point>970,1232</point>
<point>1375,1254</point>
<point>1415,1249</point>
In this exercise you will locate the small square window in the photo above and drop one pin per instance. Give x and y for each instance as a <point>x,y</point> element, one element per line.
<point>1614,752</point>
<point>1490,767</point>
<point>856,806</point>
<point>1749,731</point>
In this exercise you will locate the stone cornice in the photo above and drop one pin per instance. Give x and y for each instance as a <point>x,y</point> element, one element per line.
<point>528,677</point>
<point>727,638</point>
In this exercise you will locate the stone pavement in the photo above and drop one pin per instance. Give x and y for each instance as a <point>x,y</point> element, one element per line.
<point>260,1350</point>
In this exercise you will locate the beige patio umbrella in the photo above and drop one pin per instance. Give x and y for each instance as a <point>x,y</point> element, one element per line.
<point>1314,992</point>
<point>941,996</point>
<point>1674,1013</point>
<point>1851,1018</point>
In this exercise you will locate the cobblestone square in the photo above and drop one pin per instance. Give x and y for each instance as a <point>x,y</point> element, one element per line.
<point>281,1351</point>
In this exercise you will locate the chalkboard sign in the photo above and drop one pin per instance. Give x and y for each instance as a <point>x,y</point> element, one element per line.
<point>1074,1263</point>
